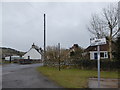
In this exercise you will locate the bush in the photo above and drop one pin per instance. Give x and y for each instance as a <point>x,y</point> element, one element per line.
<point>105,65</point>
<point>92,64</point>
<point>117,48</point>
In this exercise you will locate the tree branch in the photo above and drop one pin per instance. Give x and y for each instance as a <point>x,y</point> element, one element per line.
<point>116,32</point>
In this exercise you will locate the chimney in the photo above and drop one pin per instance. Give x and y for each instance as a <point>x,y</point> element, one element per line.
<point>33,46</point>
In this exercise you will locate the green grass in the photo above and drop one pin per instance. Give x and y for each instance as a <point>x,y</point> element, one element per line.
<point>5,62</point>
<point>73,78</point>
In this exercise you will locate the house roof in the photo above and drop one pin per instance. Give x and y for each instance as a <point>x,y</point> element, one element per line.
<point>37,49</point>
<point>94,48</point>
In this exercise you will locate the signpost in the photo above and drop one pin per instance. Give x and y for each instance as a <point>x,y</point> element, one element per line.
<point>97,42</point>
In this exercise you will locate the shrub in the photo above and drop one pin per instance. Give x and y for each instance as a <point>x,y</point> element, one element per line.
<point>86,64</point>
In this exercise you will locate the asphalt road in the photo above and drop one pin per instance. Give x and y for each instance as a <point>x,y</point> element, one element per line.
<point>24,76</point>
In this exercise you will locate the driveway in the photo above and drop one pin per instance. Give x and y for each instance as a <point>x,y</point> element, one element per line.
<point>24,76</point>
<point>104,83</point>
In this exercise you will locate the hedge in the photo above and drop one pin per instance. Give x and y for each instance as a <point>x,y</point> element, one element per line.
<point>86,64</point>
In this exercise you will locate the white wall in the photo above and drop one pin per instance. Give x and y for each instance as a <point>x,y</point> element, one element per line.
<point>7,58</point>
<point>34,54</point>
<point>12,57</point>
<point>92,54</point>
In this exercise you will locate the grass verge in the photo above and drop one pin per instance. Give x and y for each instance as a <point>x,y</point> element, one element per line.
<point>73,78</point>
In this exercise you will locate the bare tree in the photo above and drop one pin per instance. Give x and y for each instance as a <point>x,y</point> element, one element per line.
<point>96,26</point>
<point>106,25</point>
<point>52,53</point>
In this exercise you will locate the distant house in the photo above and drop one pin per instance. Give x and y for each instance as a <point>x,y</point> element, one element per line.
<point>92,52</point>
<point>75,51</point>
<point>35,53</point>
<point>12,58</point>
<point>74,48</point>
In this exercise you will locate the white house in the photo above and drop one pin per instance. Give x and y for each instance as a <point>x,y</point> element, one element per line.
<point>92,52</point>
<point>35,53</point>
<point>12,58</point>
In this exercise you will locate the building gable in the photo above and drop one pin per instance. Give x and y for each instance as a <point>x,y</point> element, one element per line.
<point>32,54</point>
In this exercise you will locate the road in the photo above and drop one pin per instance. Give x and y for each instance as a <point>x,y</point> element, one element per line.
<point>24,76</point>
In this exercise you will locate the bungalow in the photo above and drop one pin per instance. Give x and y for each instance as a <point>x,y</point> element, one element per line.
<point>35,53</point>
<point>75,51</point>
<point>12,58</point>
<point>92,52</point>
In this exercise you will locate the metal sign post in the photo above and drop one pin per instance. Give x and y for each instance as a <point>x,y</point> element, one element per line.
<point>98,48</point>
<point>97,42</point>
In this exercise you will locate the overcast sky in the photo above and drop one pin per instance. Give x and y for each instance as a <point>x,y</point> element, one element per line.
<point>22,23</point>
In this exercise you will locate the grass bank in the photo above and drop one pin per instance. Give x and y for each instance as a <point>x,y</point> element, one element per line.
<point>73,78</point>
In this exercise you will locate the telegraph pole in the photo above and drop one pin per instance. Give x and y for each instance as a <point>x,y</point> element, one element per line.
<point>59,54</point>
<point>44,37</point>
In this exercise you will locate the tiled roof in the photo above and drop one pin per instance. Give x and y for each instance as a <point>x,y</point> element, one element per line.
<point>94,48</point>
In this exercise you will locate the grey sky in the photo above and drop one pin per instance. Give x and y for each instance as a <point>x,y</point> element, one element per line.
<point>22,23</point>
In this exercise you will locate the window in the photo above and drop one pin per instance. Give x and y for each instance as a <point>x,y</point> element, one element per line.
<point>95,56</point>
<point>105,54</point>
<point>102,54</point>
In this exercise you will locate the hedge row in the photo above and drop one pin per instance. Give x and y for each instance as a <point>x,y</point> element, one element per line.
<point>92,64</point>
<point>86,64</point>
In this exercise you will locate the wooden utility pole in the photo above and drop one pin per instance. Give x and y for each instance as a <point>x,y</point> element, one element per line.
<point>44,38</point>
<point>59,54</point>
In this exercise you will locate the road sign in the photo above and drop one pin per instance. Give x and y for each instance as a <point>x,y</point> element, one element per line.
<point>97,41</point>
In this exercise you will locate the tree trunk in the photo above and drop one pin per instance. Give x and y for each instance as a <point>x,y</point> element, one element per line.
<point>110,50</point>
<point>110,45</point>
